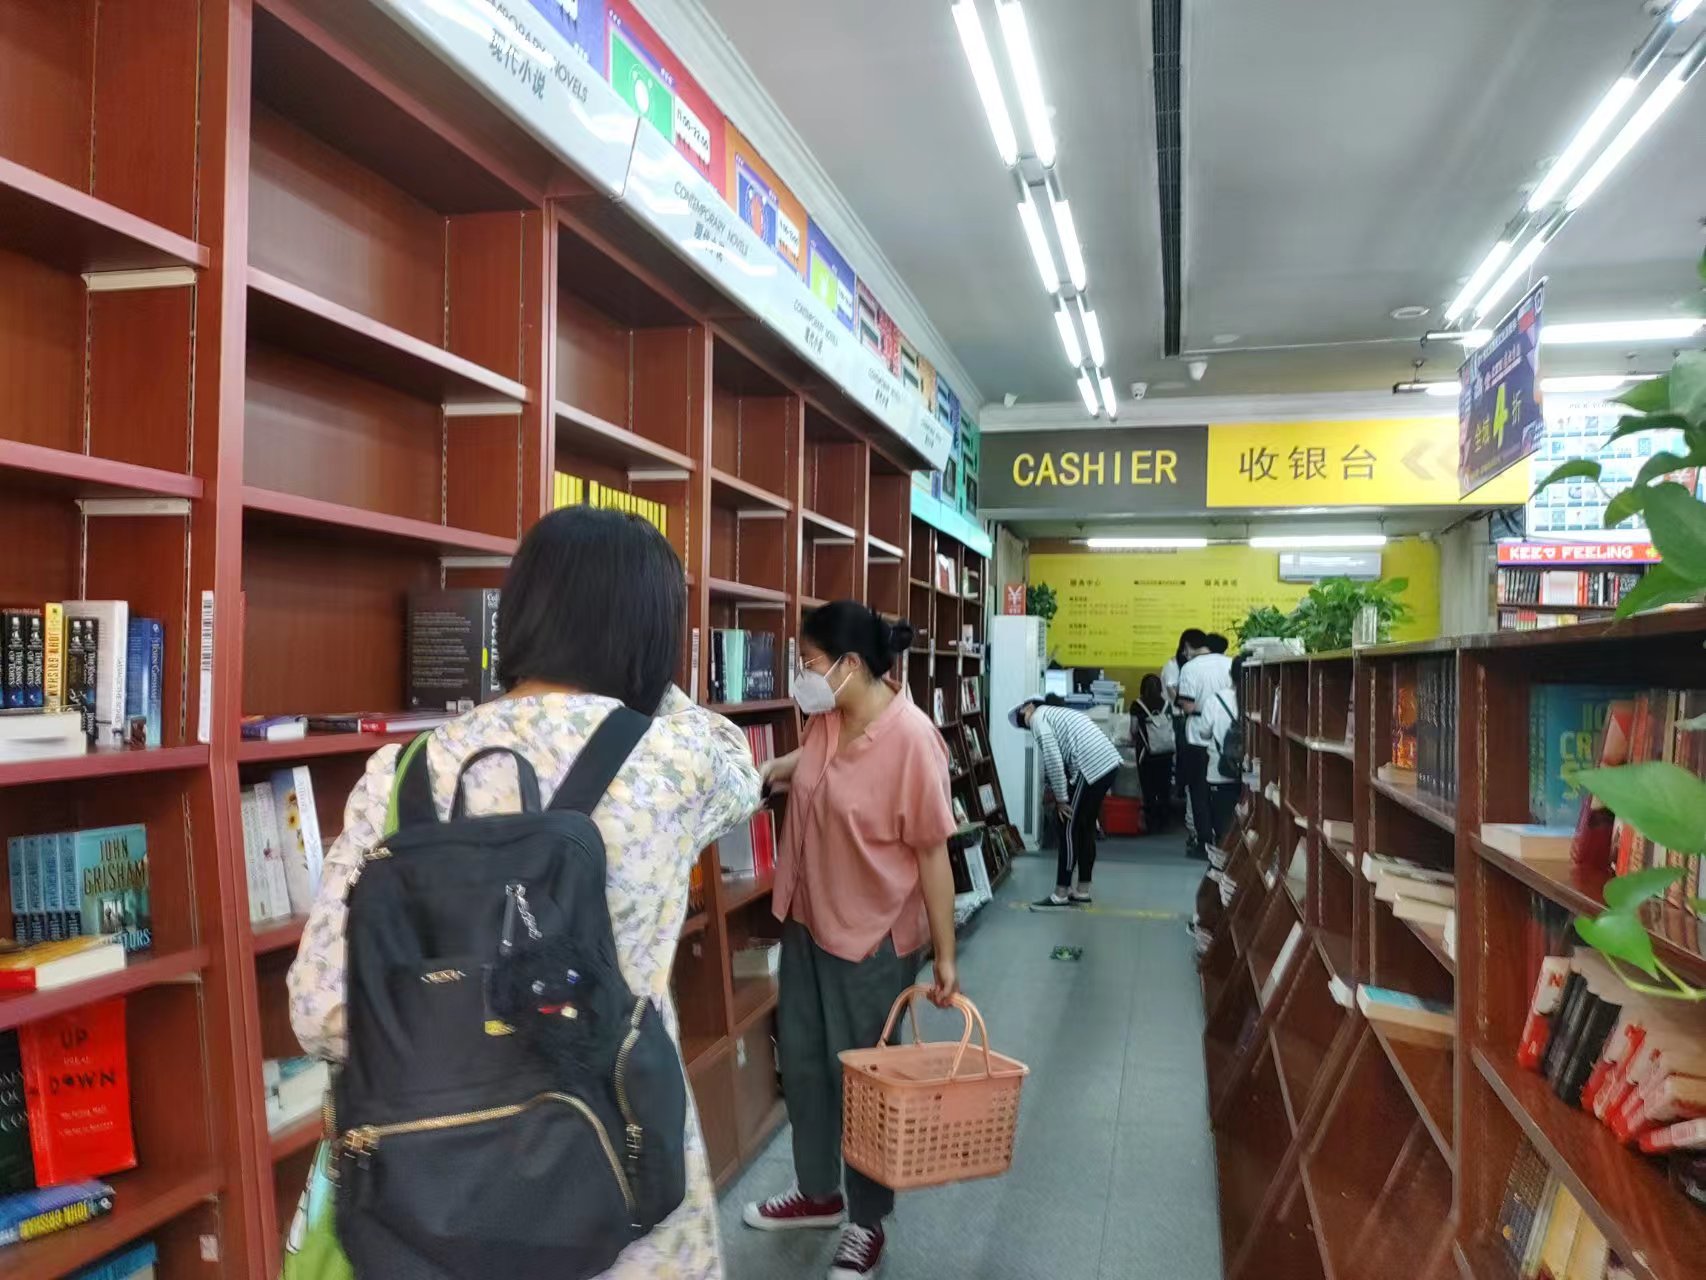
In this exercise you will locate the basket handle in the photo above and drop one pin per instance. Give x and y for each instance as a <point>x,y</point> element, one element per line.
<point>909,998</point>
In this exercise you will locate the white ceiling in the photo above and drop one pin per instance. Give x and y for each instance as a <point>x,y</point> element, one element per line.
<point>1343,158</point>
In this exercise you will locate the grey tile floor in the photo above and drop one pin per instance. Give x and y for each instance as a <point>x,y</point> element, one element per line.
<point>1113,1177</point>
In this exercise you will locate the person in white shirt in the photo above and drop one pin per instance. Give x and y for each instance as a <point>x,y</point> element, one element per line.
<point>1208,673</point>
<point>1079,764</point>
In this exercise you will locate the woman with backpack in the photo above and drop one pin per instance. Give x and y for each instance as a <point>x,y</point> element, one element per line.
<point>590,623</point>
<point>1152,734</point>
<point>863,883</point>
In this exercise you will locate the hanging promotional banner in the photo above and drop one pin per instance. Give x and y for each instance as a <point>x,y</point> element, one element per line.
<point>1379,462</point>
<point>1544,553</point>
<point>651,80</point>
<point>831,276</point>
<point>1500,420</point>
<point>581,23</point>
<point>526,65</point>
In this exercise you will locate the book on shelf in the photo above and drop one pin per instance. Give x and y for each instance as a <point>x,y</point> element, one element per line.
<point>986,798</point>
<point>1590,844</point>
<point>1282,962</point>
<point>749,849</point>
<point>67,884</point>
<point>145,661</point>
<point>1565,725</point>
<point>300,847</point>
<point>77,1092</point>
<point>1527,1189</point>
<point>45,966</point>
<point>938,707</point>
<point>295,1088</point>
<point>1528,840</point>
<point>264,848</point>
<point>1436,728</point>
<point>1338,830</point>
<point>568,490</point>
<point>23,655</point>
<point>960,812</point>
<point>760,958</point>
<point>970,701</point>
<point>133,1262</point>
<point>1546,951</point>
<point>743,665</point>
<point>1405,710</point>
<point>17,1162</point>
<point>1435,915</point>
<point>1406,1015</point>
<point>1668,727</point>
<point>89,657</point>
<point>29,1215</point>
<point>41,735</point>
<point>106,645</point>
<point>1594,588</point>
<point>1396,775</point>
<point>273,728</point>
<point>403,721</point>
<point>451,658</point>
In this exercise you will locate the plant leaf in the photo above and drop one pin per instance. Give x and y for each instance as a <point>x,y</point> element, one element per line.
<point>1688,386</point>
<point>1574,469</point>
<point>1620,935</point>
<point>1697,906</point>
<point>1651,396</point>
<point>1665,803</point>
<point>1625,893</point>
<point>1630,426</point>
<point>1659,585</point>
<point>1662,464</point>
<point>1678,524</point>
<point>1624,505</point>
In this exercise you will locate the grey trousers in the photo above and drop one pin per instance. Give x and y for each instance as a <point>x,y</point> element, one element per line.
<point>827,1004</point>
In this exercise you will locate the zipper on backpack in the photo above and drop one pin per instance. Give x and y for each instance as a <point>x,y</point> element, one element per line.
<point>634,1133</point>
<point>362,1141</point>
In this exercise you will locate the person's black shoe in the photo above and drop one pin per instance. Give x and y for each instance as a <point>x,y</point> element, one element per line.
<point>1052,903</point>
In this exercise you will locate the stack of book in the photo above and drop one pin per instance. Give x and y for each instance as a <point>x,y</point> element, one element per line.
<point>70,884</point>
<point>749,849</point>
<point>76,673</point>
<point>1529,620</point>
<point>743,665</point>
<point>1425,896</point>
<point>134,1262</point>
<point>295,1089</point>
<point>282,849</point>
<point>64,1119</point>
<point>974,741</point>
<point>1595,588</point>
<point>572,491</point>
<point>1408,1017</point>
<point>1424,729</point>
<point>1635,1063</point>
<point>970,699</point>
<point>1543,1230</point>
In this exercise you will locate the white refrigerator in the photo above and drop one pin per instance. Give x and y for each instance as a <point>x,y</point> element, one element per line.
<point>1017,654</point>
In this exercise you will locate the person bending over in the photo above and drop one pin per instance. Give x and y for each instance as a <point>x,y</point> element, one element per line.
<point>1079,764</point>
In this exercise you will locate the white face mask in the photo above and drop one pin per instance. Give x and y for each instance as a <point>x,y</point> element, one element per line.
<point>813,692</point>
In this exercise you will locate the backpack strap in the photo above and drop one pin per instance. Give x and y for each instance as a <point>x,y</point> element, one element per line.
<point>411,788</point>
<point>600,760</point>
<point>526,780</point>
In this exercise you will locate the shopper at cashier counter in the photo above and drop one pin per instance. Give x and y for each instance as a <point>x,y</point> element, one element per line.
<point>1209,703</point>
<point>863,883</point>
<point>1079,764</point>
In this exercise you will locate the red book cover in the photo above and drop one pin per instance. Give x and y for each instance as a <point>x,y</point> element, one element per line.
<point>1624,840</point>
<point>77,1091</point>
<point>1591,846</point>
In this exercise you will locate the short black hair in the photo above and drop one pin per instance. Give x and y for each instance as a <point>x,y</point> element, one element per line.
<point>842,627</point>
<point>594,600</point>
<point>1194,638</point>
<point>1218,643</point>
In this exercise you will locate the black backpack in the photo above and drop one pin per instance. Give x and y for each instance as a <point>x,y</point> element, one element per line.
<point>1232,745</point>
<point>509,1107</point>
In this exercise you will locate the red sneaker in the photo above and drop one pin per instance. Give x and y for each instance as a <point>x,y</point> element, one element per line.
<point>859,1254</point>
<point>795,1211</point>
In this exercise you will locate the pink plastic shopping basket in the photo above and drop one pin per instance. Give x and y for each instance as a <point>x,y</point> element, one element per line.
<point>919,1115</point>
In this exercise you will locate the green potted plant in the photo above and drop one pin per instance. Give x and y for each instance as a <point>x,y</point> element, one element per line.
<point>1662,801</point>
<point>1325,618</point>
<point>1264,622</point>
<point>1040,602</point>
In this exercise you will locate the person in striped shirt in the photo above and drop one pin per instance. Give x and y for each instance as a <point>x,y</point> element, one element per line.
<point>1079,763</point>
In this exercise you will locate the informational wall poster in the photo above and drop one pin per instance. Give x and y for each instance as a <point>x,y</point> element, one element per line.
<point>1500,419</point>
<point>762,201</point>
<point>655,84</point>
<point>1380,462</point>
<point>581,23</point>
<point>870,327</point>
<point>1576,508</point>
<point>1126,609</point>
<point>831,276</point>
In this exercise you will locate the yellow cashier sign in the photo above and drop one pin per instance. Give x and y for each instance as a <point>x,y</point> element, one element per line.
<point>1381,462</point>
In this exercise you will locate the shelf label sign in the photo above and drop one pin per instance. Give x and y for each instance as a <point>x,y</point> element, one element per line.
<point>669,195</point>
<point>509,52</point>
<point>1543,553</point>
<point>811,328</point>
<point>1499,418</point>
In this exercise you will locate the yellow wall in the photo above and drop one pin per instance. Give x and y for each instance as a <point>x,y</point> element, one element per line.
<point>1124,610</point>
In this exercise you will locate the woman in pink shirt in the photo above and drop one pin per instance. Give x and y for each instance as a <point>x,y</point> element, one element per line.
<point>862,884</point>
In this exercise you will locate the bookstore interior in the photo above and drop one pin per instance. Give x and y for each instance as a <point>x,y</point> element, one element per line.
<point>310,309</point>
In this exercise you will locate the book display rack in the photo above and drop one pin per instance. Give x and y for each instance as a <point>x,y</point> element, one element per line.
<point>295,323</point>
<point>1350,1143</point>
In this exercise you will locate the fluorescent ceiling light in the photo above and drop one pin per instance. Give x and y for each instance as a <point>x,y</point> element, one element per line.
<point>1087,389</point>
<point>1682,10</point>
<point>1478,278</point>
<point>1589,332</point>
<point>1070,249</point>
<point>1110,402</point>
<point>1024,62</point>
<point>1586,382</point>
<point>1645,117</point>
<point>1517,269</point>
<point>988,87</point>
<point>1570,159</point>
<point>1092,334</point>
<point>1321,540</point>
<point>1038,241</point>
<point>1140,544</point>
<point>1068,335</point>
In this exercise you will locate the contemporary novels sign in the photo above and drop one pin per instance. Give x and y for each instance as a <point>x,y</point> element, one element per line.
<point>1500,421</point>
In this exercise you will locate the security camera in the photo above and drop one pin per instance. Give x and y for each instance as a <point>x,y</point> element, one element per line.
<point>1009,399</point>
<point>1139,390</point>
<point>1197,369</point>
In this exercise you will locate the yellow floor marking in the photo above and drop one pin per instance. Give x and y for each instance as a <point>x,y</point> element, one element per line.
<point>1121,913</point>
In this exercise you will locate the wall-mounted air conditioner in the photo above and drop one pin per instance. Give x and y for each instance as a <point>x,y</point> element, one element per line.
<point>1312,566</point>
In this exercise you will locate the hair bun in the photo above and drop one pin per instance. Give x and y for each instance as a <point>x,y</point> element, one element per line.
<point>900,636</point>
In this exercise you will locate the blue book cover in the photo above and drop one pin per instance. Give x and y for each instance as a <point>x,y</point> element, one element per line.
<point>33,918</point>
<point>123,1265</point>
<point>53,919</point>
<point>1565,721</point>
<point>15,876</point>
<point>68,884</point>
<point>144,666</point>
<point>111,889</point>
<point>29,1214</point>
